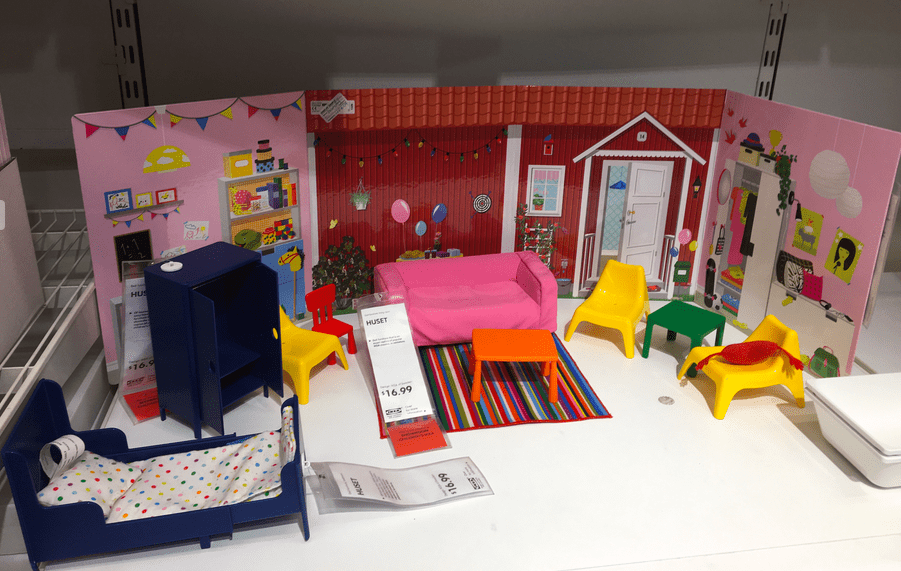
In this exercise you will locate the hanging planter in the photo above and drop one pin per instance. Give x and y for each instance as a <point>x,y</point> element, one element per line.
<point>360,197</point>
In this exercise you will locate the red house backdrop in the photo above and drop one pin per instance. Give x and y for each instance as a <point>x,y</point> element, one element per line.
<point>470,149</point>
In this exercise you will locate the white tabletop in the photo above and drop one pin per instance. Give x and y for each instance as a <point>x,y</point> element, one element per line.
<point>654,487</point>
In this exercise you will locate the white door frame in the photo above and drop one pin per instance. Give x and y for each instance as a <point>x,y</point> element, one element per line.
<point>666,167</point>
<point>634,155</point>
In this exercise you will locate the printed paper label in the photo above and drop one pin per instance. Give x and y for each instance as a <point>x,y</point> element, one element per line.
<point>401,386</point>
<point>197,230</point>
<point>420,485</point>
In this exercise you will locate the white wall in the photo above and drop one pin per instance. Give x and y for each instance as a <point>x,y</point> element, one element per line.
<point>836,59</point>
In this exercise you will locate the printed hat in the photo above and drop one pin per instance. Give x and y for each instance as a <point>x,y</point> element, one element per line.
<point>752,142</point>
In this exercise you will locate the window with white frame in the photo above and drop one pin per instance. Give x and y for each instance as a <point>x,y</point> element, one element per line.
<point>545,190</point>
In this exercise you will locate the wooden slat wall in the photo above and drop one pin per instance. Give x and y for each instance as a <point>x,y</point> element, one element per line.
<point>424,181</point>
<point>417,177</point>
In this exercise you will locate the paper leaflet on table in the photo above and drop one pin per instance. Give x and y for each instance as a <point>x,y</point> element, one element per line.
<point>137,386</point>
<point>402,395</point>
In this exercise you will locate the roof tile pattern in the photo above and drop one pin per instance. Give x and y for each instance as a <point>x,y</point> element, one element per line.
<point>430,107</point>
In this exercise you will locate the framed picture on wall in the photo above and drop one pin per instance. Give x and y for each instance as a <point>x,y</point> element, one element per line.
<point>164,196</point>
<point>545,190</point>
<point>118,200</point>
<point>144,199</point>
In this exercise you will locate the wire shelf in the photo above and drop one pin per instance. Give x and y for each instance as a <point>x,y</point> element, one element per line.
<point>67,279</point>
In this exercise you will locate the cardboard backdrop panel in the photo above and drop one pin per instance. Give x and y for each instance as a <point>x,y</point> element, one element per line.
<point>150,180</point>
<point>841,178</point>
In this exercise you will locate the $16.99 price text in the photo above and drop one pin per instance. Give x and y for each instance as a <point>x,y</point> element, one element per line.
<point>397,392</point>
<point>448,484</point>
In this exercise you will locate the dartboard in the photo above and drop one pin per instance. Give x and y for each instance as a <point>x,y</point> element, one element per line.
<point>481,203</point>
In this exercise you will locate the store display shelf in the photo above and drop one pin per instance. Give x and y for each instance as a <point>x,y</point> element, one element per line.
<point>65,328</point>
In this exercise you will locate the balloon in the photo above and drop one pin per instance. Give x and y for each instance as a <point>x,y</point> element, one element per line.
<point>693,245</point>
<point>420,228</point>
<point>673,252</point>
<point>400,210</point>
<point>439,213</point>
<point>685,236</point>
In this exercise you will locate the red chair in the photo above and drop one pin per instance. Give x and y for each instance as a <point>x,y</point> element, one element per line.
<point>319,302</point>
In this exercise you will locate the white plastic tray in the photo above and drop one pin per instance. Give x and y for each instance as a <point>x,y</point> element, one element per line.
<point>859,417</point>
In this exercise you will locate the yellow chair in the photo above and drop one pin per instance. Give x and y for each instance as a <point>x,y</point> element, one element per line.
<point>776,369</point>
<point>618,301</point>
<point>301,351</point>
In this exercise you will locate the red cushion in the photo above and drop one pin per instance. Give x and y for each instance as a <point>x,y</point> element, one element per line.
<point>749,353</point>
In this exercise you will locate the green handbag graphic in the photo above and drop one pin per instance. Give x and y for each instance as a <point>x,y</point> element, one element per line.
<point>824,362</point>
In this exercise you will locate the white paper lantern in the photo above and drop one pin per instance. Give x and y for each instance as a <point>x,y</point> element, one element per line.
<point>829,174</point>
<point>850,203</point>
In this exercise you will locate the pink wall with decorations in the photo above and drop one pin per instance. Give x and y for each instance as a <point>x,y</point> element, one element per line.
<point>112,148</point>
<point>843,178</point>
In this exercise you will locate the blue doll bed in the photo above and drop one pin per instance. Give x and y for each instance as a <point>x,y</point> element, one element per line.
<point>79,529</point>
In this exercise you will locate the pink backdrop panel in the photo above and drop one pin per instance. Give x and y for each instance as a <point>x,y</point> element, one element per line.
<point>206,131</point>
<point>872,156</point>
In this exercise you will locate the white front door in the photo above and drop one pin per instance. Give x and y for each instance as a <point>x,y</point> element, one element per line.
<point>645,216</point>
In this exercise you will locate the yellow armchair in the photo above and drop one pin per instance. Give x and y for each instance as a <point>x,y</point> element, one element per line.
<point>301,351</point>
<point>618,301</point>
<point>776,369</point>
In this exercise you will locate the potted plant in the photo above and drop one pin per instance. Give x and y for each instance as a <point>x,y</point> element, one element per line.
<point>537,202</point>
<point>539,238</point>
<point>346,266</point>
<point>360,197</point>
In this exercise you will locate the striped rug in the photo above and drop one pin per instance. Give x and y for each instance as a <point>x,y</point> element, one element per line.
<point>513,393</point>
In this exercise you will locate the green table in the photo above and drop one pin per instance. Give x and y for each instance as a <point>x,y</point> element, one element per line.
<point>688,319</point>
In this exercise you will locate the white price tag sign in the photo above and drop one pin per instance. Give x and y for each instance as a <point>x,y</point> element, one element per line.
<point>417,486</point>
<point>395,363</point>
<point>68,447</point>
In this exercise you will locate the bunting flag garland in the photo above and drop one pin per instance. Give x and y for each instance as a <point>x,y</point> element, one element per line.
<point>122,130</point>
<point>141,217</point>
<point>228,113</point>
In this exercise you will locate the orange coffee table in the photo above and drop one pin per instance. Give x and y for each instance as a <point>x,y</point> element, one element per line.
<point>513,345</point>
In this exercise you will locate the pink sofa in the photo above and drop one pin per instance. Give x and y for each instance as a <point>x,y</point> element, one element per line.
<point>448,298</point>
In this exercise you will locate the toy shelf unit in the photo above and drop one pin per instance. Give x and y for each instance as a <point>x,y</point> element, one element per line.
<point>746,244</point>
<point>214,324</point>
<point>260,210</point>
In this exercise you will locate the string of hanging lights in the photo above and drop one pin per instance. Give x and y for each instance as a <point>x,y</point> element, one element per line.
<point>413,134</point>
